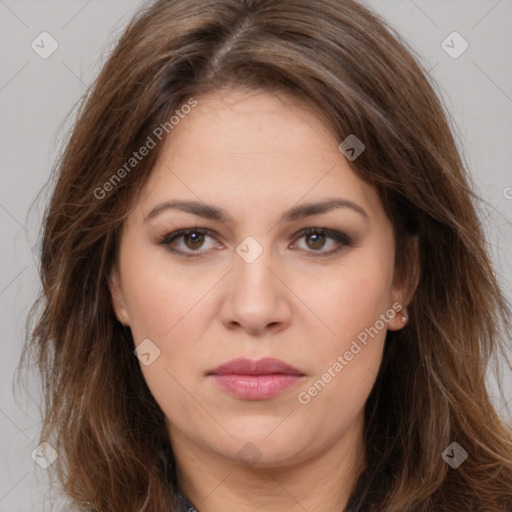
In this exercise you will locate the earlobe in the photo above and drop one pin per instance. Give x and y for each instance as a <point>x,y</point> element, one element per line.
<point>405,284</point>
<point>117,296</point>
<point>400,317</point>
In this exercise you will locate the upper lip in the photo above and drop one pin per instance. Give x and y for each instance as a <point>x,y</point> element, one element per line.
<point>265,366</point>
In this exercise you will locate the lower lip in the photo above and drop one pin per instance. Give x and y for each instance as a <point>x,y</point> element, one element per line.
<point>256,387</point>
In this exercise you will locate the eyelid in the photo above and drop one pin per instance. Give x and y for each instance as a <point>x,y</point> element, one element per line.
<point>338,236</point>
<point>335,234</point>
<point>180,233</point>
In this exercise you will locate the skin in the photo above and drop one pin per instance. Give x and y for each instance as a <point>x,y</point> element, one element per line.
<point>256,155</point>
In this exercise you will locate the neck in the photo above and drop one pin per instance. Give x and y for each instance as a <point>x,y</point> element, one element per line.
<point>322,483</point>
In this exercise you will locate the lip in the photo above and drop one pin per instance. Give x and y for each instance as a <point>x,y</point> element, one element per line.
<point>255,380</point>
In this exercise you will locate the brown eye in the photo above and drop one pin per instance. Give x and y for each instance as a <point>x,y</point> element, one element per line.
<point>315,240</point>
<point>188,242</point>
<point>195,239</point>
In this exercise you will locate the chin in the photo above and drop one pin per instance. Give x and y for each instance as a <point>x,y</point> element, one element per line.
<point>264,444</point>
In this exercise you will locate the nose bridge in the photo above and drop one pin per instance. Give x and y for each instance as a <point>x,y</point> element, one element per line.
<point>257,298</point>
<point>252,262</point>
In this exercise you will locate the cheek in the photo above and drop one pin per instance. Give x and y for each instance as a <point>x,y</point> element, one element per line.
<point>349,357</point>
<point>162,310</point>
<point>164,306</point>
<point>159,296</point>
<point>349,300</point>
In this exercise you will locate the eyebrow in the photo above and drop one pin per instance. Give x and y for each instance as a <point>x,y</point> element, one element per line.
<point>208,211</point>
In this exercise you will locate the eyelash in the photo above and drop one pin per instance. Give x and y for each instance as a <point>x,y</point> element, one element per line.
<point>339,237</point>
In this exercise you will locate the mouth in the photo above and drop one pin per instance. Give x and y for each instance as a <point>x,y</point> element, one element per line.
<point>255,380</point>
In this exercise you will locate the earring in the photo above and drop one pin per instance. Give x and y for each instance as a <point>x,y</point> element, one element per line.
<point>405,316</point>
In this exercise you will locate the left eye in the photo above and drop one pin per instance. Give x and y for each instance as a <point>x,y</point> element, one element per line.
<point>193,239</point>
<point>316,239</point>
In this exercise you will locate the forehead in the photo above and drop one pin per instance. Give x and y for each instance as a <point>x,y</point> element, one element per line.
<point>239,127</point>
<point>254,150</point>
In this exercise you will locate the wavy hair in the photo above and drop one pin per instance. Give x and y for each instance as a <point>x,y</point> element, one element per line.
<point>362,78</point>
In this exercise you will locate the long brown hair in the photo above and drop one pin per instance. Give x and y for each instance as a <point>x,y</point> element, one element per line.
<point>363,79</point>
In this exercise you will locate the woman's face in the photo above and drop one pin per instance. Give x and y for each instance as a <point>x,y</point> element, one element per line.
<point>250,167</point>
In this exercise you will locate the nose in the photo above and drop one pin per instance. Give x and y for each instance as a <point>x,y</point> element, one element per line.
<point>257,299</point>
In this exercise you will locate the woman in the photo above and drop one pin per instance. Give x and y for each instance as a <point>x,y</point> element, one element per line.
<point>265,285</point>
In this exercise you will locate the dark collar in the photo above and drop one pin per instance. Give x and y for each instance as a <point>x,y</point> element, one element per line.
<point>183,503</point>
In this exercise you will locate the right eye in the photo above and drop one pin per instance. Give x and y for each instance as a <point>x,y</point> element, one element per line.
<point>191,239</point>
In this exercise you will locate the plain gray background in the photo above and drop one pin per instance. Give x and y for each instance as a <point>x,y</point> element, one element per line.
<point>36,95</point>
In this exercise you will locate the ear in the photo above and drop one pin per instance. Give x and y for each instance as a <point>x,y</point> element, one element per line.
<point>117,296</point>
<point>405,283</point>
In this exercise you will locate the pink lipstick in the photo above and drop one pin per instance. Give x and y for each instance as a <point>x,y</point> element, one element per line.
<point>255,380</point>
